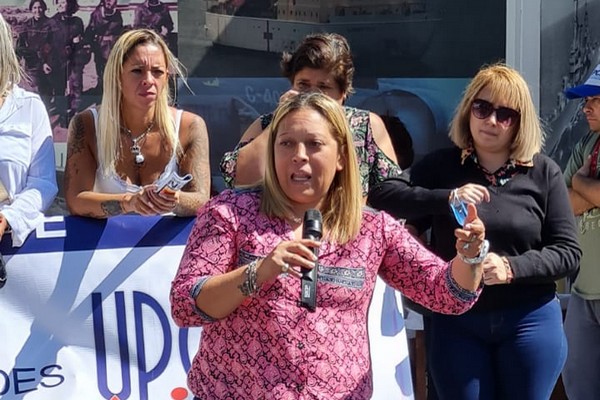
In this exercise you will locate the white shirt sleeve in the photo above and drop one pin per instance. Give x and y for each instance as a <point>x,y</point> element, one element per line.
<point>28,169</point>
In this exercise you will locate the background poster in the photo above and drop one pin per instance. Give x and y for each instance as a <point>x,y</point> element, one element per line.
<point>412,58</point>
<point>405,54</point>
<point>570,50</point>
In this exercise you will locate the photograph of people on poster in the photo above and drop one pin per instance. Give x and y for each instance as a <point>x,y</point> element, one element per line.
<point>64,44</point>
<point>404,53</point>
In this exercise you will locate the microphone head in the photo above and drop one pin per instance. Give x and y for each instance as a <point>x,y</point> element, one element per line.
<point>313,224</point>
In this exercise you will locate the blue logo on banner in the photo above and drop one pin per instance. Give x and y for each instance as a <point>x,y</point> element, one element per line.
<point>145,373</point>
<point>78,240</point>
<point>25,379</point>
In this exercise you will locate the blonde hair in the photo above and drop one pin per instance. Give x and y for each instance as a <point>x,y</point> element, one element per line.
<point>507,85</point>
<point>10,69</point>
<point>342,207</point>
<point>109,121</point>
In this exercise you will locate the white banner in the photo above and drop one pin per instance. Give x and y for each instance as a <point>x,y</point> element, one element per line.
<point>86,315</point>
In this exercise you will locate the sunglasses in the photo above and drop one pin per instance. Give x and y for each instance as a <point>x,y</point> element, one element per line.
<point>506,116</point>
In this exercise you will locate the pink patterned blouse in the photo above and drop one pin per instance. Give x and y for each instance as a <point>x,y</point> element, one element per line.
<point>269,347</point>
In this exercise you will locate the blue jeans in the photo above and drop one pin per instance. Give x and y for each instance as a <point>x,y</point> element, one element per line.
<point>515,353</point>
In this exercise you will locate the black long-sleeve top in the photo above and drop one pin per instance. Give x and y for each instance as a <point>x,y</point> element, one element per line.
<point>528,220</point>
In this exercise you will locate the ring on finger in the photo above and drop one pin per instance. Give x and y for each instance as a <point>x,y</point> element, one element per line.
<point>285,267</point>
<point>466,246</point>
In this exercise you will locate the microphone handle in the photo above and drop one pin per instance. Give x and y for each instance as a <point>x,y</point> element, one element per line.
<point>308,290</point>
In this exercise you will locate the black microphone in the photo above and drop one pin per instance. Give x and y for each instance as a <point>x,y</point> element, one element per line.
<point>312,229</point>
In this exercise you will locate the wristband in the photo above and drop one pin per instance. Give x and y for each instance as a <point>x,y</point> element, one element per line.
<point>482,254</point>
<point>509,271</point>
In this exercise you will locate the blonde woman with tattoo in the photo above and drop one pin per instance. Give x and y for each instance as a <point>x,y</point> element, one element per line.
<point>121,154</point>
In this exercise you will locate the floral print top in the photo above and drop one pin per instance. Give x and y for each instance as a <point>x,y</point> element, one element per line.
<point>374,165</point>
<point>269,347</point>
<point>504,174</point>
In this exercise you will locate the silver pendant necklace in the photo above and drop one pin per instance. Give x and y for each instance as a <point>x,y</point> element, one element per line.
<point>138,141</point>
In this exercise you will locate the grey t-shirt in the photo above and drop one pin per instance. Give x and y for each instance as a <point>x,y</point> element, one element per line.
<point>587,284</point>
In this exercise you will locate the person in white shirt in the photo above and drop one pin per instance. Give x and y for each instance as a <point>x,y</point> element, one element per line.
<point>27,169</point>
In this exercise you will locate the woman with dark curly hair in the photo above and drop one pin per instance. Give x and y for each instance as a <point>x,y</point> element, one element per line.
<point>322,62</point>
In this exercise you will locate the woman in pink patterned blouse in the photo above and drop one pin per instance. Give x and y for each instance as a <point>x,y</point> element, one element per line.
<point>240,274</point>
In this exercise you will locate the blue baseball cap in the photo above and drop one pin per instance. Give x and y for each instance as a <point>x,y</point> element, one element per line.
<point>591,87</point>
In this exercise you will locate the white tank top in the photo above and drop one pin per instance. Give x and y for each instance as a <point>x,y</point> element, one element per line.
<point>113,183</point>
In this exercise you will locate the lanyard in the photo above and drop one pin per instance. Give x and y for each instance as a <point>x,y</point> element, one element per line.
<point>594,160</point>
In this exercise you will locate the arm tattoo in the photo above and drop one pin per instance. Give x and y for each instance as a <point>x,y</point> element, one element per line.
<point>111,207</point>
<point>76,142</point>
<point>197,158</point>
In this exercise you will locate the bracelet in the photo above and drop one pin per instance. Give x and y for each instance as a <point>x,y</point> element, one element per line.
<point>482,254</point>
<point>249,286</point>
<point>509,271</point>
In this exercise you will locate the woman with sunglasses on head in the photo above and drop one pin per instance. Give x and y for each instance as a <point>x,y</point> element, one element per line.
<point>513,335</point>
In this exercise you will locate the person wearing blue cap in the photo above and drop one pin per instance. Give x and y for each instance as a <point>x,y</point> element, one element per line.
<point>582,322</point>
